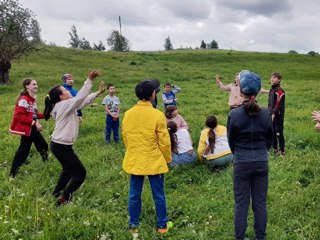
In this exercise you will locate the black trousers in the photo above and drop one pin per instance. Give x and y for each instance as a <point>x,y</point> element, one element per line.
<point>73,172</point>
<point>24,149</point>
<point>278,132</point>
<point>250,181</point>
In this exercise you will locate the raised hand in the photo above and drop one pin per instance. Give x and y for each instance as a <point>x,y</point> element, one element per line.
<point>217,77</point>
<point>102,87</point>
<point>92,74</point>
<point>316,116</point>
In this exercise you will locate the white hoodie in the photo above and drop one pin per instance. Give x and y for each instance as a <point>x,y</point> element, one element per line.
<point>65,114</point>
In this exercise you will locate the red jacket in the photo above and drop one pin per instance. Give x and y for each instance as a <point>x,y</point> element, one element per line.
<point>22,121</point>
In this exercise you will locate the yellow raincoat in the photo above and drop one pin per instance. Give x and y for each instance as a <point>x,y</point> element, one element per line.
<point>147,141</point>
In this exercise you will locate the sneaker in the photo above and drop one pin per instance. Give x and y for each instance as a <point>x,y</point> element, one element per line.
<point>166,229</point>
<point>62,201</point>
<point>134,232</point>
<point>276,151</point>
<point>45,156</point>
<point>283,154</point>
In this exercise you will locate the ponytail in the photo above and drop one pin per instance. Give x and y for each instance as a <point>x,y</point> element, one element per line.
<point>25,83</point>
<point>51,99</point>
<point>211,123</point>
<point>172,129</point>
<point>251,107</point>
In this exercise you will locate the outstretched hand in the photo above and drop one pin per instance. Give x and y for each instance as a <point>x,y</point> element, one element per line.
<point>102,87</point>
<point>92,74</point>
<point>217,77</point>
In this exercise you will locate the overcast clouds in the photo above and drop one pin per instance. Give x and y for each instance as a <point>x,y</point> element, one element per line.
<point>246,25</point>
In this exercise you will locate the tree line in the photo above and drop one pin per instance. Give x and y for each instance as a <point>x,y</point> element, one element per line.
<point>20,35</point>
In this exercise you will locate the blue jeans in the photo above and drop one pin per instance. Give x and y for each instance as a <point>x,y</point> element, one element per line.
<point>182,158</point>
<point>157,187</point>
<point>250,179</point>
<point>112,126</point>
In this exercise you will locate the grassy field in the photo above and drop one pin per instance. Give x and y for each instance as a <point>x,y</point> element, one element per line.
<point>200,202</point>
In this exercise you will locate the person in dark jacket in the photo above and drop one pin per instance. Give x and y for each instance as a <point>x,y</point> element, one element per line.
<point>250,135</point>
<point>68,81</point>
<point>276,106</point>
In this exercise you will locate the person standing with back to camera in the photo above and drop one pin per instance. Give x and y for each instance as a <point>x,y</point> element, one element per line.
<point>250,135</point>
<point>148,153</point>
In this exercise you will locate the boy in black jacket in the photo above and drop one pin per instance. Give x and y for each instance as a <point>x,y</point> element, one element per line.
<point>276,106</point>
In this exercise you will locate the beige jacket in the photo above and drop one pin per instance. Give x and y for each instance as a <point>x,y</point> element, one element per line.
<point>65,115</point>
<point>235,98</point>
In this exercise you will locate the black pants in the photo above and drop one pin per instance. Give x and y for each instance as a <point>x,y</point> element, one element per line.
<point>73,172</point>
<point>24,149</point>
<point>278,132</point>
<point>250,180</point>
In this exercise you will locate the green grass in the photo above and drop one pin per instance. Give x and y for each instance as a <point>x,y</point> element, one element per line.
<point>200,202</point>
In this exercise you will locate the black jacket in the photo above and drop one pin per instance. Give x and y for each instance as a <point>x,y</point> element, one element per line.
<point>276,102</point>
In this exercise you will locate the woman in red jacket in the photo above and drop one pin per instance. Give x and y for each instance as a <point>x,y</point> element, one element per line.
<point>25,123</point>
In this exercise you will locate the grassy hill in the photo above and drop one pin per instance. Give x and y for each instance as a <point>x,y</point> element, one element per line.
<point>200,202</point>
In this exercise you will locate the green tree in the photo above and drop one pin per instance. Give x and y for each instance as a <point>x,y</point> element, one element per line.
<point>167,44</point>
<point>203,45</point>
<point>35,31</point>
<point>313,53</point>
<point>118,42</point>
<point>99,47</point>
<point>19,35</point>
<point>213,45</point>
<point>293,52</point>
<point>75,41</point>
<point>84,44</point>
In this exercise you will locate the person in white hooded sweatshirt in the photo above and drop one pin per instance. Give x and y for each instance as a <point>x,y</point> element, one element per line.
<point>61,106</point>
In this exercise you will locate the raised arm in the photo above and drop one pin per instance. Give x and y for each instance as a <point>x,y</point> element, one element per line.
<point>93,96</point>
<point>176,89</point>
<point>221,85</point>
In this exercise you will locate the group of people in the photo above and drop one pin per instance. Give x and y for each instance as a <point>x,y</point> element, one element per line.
<point>64,106</point>
<point>155,141</point>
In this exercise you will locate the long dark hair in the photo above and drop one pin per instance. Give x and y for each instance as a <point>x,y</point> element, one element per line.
<point>25,83</point>
<point>51,99</point>
<point>169,110</point>
<point>251,106</point>
<point>211,123</point>
<point>172,128</point>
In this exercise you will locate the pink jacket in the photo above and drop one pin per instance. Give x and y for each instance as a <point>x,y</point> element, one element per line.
<point>235,98</point>
<point>181,123</point>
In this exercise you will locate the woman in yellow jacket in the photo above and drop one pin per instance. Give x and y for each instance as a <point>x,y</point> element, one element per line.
<point>213,148</point>
<point>148,152</point>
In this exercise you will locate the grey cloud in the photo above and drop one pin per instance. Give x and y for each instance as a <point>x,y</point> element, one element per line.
<point>256,7</point>
<point>188,9</point>
<point>250,25</point>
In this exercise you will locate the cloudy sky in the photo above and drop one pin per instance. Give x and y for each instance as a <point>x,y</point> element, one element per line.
<point>246,25</point>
